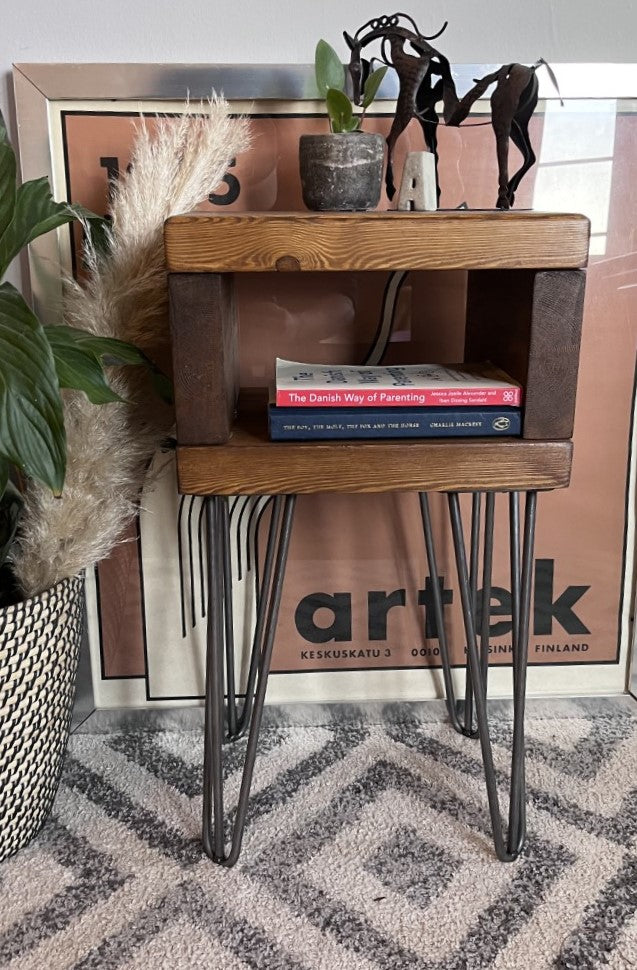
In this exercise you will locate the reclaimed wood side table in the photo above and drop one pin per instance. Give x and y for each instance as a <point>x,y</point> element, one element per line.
<point>524,312</point>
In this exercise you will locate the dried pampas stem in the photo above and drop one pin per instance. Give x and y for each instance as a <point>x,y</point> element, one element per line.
<point>174,167</point>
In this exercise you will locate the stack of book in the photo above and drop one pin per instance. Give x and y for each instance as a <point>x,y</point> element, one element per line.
<point>319,401</point>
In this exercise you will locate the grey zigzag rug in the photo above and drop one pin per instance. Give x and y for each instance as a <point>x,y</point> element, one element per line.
<point>367,849</point>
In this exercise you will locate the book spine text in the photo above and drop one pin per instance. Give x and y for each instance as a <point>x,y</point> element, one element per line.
<point>419,424</point>
<point>399,397</point>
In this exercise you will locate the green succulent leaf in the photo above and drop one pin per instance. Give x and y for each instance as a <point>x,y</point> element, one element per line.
<point>78,353</point>
<point>328,69</point>
<point>35,213</point>
<point>339,108</point>
<point>31,419</point>
<point>372,85</point>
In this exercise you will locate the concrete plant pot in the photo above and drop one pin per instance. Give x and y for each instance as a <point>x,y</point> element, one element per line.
<point>341,172</point>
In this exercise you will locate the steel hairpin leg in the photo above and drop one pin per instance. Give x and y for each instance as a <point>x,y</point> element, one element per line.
<point>461,726</point>
<point>219,628</point>
<point>238,722</point>
<point>473,582</point>
<point>478,660</point>
<point>227,614</point>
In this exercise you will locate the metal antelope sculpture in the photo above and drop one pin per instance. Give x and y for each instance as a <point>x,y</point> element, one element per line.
<point>513,102</point>
<point>513,99</point>
<point>416,97</point>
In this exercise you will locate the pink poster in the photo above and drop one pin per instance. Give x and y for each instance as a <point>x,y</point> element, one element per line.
<point>349,553</point>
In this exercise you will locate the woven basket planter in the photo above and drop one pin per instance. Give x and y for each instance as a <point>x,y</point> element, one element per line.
<point>39,650</point>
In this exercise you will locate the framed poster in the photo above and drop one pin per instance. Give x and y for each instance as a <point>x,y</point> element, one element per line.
<point>76,123</point>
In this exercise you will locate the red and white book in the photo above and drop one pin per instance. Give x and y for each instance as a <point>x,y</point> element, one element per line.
<point>400,385</point>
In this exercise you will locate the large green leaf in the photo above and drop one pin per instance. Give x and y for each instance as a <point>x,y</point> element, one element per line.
<point>31,419</point>
<point>4,475</point>
<point>35,213</point>
<point>78,367</point>
<point>339,108</point>
<point>372,85</point>
<point>98,229</point>
<point>7,184</point>
<point>69,344</point>
<point>119,352</point>
<point>328,69</point>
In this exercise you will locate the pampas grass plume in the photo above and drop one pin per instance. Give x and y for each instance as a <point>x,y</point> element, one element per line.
<point>174,167</point>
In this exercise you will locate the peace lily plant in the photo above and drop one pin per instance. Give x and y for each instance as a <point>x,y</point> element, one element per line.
<point>38,362</point>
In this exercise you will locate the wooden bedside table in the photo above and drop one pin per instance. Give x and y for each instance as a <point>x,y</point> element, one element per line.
<point>524,311</point>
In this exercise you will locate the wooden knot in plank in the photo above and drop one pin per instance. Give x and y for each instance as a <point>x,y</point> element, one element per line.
<point>288,264</point>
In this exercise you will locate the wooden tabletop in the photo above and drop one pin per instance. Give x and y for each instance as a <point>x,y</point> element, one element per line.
<point>453,239</point>
<point>250,464</point>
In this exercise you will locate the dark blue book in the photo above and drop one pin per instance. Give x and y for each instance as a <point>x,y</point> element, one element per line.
<point>302,424</point>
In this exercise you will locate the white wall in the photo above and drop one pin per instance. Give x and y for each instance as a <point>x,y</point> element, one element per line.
<point>241,31</point>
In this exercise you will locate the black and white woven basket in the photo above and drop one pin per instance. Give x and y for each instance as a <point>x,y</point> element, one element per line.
<point>39,650</point>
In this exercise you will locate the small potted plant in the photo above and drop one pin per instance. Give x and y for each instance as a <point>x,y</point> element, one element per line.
<point>341,170</point>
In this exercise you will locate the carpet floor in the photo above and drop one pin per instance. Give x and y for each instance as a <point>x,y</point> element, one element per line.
<point>367,848</point>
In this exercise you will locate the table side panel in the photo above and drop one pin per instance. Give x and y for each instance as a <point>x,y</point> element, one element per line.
<point>204,329</point>
<point>529,323</point>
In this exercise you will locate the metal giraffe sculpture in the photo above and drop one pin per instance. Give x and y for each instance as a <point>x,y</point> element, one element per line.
<point>513,100</point>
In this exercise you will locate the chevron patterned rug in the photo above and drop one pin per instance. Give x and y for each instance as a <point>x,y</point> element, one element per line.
<point>367,848</point>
